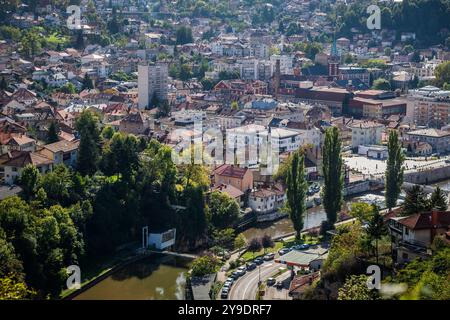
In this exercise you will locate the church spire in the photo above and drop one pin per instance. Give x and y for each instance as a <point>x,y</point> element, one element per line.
<point>334,52</point>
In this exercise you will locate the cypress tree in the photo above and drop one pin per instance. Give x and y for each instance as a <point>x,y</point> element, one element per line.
<point>52,134</point>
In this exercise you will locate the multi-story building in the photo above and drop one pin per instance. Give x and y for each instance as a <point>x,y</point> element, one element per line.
<point>240,178</point>
<point>265,201</point>
<point>438,139</point>
<point>429,106</point>
<point>285,63</point>
<point>366,133</point>
<point>353,73</point>
<point>152,80</point>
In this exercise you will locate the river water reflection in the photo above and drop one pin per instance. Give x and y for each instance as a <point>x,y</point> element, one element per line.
<point>157,277</point>
<point>313,218</point>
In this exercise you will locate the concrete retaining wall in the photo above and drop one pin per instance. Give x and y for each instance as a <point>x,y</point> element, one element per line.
<point>428,176</point>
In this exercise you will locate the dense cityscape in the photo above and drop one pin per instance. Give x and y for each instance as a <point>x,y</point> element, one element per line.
<point>224,150</point>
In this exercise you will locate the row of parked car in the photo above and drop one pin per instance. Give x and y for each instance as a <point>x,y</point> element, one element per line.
<point>241,271</point>
<point>283,251</point>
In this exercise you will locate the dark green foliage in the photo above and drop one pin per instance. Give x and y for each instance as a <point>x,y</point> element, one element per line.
<point>415,201</point>
<point>394,170</point>
<point>29,181</point>
<point>87,82</point>
<point>376,228</point>
<point>193,219</point>
<point>184,35</point>
<point>89,151</point>
<point>52,134</point>
<point>223,209</point>
<point>332,173</point>
<point>438,200</point>
<point>296,191</point>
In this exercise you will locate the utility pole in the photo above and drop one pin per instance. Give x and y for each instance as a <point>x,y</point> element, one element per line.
<point>259,276</point>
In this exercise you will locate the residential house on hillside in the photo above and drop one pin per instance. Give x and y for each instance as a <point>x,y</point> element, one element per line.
<point>135,123</point>
<point>240,178</point>
<point>412,236</point>
<point>62,152</point>
<point>12,164</point>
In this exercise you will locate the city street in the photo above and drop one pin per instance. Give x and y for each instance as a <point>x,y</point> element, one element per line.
<point>245,287</point>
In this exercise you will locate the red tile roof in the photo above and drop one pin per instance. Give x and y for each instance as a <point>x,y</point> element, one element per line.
<point>231,171</point>
<point>419,221</point>
<point>300,283</point>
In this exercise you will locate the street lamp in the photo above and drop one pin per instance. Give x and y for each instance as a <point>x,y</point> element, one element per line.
<point>259,276</point>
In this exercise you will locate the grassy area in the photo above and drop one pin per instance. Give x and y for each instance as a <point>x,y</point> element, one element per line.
<point>306,239</point>
<point>248,256</point>
<point>215,289</point>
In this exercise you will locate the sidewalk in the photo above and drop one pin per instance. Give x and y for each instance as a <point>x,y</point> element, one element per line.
<point>222,274</point>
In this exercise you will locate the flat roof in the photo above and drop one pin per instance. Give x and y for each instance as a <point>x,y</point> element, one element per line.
<point>303,258</point>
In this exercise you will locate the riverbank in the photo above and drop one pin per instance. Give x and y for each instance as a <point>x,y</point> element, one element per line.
<point>98,271</point>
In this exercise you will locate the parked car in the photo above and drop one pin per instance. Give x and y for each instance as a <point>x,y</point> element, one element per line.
<point>241,270</point>
<point>227,284</point>
<point>269,256</point>
<point>230,279</point>
<point>258,261</point>
<point>270,281</point>
<point>279,285</point>
<point>251,266</point>
<point>236,274</point>
<point>301,246</point>
<point>224,293</point>
<point>283,251</point>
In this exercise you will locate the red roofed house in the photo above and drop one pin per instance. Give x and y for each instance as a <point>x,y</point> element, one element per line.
<point>240,178</point>
<point>412,236</point>
<point>12,164</point>
<point>300,283</point>
<point>231,191</point>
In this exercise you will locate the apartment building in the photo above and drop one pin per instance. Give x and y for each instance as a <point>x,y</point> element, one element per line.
<point>438,139</point>
<point>152,80</point>
<point>366,133</point>
<point>429,106</point>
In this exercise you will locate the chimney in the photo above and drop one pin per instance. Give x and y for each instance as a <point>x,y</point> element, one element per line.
<point>434,223</point>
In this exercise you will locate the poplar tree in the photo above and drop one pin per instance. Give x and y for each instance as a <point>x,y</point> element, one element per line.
<point>394,170</point>
<point>296,191</point>
<point>332,173</point>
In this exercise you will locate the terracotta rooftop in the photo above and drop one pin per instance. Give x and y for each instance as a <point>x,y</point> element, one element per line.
<point>21,158</point>
<point>301,283</point>
<point>419,221</point>
<point>231,171</point>
<point>233,192</point>
<point>63,146</point>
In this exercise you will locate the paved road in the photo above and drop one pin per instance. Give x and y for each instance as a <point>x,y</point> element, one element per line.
<point>245,287</point>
